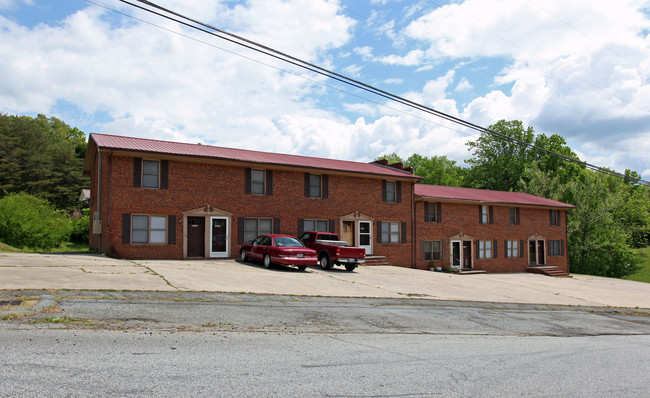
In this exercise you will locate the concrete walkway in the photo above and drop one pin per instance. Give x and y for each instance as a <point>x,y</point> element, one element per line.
<point>94,272</point>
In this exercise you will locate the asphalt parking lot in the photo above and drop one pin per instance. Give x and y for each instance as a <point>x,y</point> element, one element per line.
<point>20,271</point>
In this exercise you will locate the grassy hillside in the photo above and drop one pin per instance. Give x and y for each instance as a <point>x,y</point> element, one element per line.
<point>643,274</point>
<point>8,249</point>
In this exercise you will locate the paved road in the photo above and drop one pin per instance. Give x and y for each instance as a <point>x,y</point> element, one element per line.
<point>239,345</point>
<point>201,311</point>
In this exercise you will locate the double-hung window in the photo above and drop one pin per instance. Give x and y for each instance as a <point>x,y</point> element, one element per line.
<point>555,217</point>
<point>148,229</point>
<point>391,191</point>
<point>432,212</point>
<point>431,250</point>
<point>316,185</point>
<point>258,182</point>
<point>150,173</point>
<point>253,227</point>
<point>514,216</point>
<point>390,232</point>
<point>485,214</point>
<point>315,225</point>
<point>512,248</point>
<point>555,248</point>
<point>484,249</point>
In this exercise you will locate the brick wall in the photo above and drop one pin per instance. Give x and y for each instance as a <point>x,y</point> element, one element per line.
<point>194,185</point>
<point>463,218</point>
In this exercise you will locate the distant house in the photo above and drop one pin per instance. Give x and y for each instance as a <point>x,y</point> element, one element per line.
<point>85,195</point>
<point>166,200</point>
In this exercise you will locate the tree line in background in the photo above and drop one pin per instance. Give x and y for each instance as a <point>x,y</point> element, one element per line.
<point>612,214</point>
<point>41,166</point>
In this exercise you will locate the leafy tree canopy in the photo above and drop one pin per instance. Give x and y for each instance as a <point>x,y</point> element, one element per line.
<point>42,156</point>
<point>435,170</point>
<point>499,163</point>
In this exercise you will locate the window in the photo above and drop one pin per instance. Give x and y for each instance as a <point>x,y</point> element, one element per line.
<point>390,191</point>
<point>315,225</point>
<point>253,227</point>
<point>555,217</point>
<point>150,173</point>
<point>484,249</point>
<point>390,232</point>
<point>148,229</point>
<point>432,212</point>
<point>512,248</point>
<point>514,216</point>
<point>316,185</point>
<point>431,250</point>
<point>258,183</point>
<point>485,215</point>
<point>555,248</point>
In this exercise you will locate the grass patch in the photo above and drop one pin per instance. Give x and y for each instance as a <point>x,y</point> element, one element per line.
<point>66,321</point>
<point>66,247</point>
<point>8,249</point>
<point>643,272</point>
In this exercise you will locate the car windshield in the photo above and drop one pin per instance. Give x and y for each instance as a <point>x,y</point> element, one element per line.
<point>287,242</point>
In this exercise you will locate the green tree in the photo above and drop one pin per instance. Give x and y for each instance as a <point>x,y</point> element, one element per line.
<point>42,156</point>
<point>499,163</point>
<point>435,170</point>
<point>29,221</point>
<point>598,234</point>
<point>598,239</point>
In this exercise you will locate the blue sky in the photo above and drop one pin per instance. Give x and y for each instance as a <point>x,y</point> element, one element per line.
<point>579,69</point>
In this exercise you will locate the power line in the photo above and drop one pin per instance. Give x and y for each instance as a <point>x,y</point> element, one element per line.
<point>260,48</point>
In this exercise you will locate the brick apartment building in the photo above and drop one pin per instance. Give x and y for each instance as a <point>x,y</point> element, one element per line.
<point>488,230</point>
<point>165,200</point>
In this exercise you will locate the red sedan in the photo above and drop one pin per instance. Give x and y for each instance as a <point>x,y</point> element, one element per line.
<point>279,249</point>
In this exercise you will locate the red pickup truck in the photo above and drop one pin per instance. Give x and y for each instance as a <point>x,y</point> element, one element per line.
<point>332,251</point>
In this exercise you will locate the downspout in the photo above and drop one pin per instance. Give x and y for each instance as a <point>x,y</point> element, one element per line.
<point>414,229</point>
<point>99,195</point>
<point>566,238</point>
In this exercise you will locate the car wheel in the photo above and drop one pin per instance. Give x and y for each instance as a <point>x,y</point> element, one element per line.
<point>243,255</point>
<point>325,262</point>
<point>350,267</point>
<point>302,267</point>
<point>267,261</point>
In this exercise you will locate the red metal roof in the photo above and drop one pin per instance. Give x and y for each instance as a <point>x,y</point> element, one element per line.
<point>105,141</point>
<point>485,196</point>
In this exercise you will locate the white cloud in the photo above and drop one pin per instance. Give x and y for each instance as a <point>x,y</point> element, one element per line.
<point>412,58</point>
<point>160,85</point>
<point>394,80</point>
<point>8,4</point>
<point>464,85</point>
<point>353,70</point>
<point>365,52</point>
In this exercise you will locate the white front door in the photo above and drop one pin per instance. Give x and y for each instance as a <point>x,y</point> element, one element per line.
<point>219,237</point>
<point>364,236</point>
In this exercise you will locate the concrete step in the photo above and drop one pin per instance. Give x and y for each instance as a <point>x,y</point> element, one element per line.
<point>549,271</point>
<point>376,260</point>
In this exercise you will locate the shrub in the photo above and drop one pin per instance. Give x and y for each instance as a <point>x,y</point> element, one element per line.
<point>80,227</point>
<point>29,221</point>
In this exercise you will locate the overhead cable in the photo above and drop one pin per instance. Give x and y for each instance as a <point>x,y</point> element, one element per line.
<point>260,48</point>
